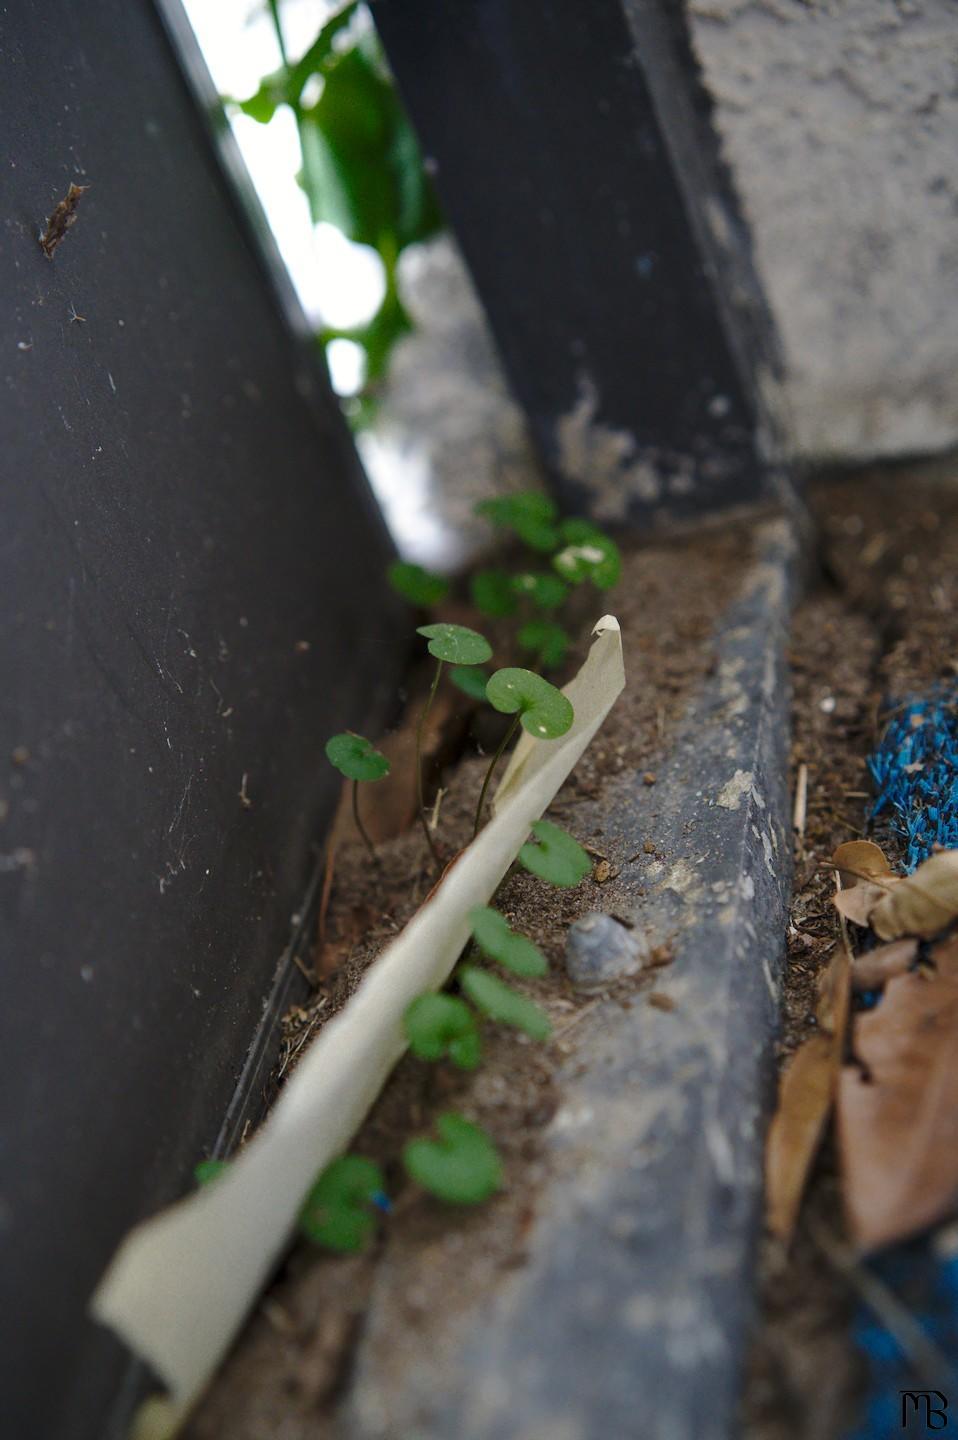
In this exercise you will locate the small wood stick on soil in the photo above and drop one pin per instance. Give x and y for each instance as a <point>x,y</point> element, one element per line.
<point>801,801</point>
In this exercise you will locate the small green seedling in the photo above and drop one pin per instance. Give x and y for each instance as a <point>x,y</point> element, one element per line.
<point>470,679</point>
<point>493,593</point>
<point>528,514</point>
<point>462,1167</point>
<point>359,760</point>
<point>455,645</point>
<point>588,554</point>
<point>538,706</point>
<point>209,1170</point>
<point>542,709</point>
<point>438,1025</point>
<point>498,1001</point>
<point>547,592</point>
<point>337,1212</point>
<point>556,857</point>
<point>418,586</point>
<point>496,938</point>
<point>547,639</point>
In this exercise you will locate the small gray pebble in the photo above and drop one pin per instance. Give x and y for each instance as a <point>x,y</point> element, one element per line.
<point>600,949</point>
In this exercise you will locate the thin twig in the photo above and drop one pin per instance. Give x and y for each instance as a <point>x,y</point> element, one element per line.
<point>801,801</point>
<point>931,1364</point>
<point>571,1024</point>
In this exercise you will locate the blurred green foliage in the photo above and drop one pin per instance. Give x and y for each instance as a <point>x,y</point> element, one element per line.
<point>362,169</point>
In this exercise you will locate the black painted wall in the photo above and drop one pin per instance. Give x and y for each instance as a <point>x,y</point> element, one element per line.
<point>575,157</point>
<point>190,602</point>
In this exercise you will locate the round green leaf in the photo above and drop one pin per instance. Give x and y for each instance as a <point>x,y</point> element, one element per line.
<point>588,554</point>
<point>498,1001</point>
<point>418,586</point>
<point>529,514</point>
<point>336,1213</point>
<point>545,591</point>
<point>492,593</point>
<point>438,1025</point>
<point>470,680</point>
<point>549,641</point>
<point>557,857</point>
<point>356,757</point>
<point>456,643</point>
<point>495,937</point>
<point>544,711</point>
<point>462,1166</point>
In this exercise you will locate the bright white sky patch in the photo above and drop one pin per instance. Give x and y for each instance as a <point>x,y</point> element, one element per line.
<point>338,283</point>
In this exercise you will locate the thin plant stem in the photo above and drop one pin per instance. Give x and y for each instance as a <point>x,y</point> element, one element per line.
<point>495,760</point>
<point>273,7</point>
<point>420,729</point>
<point>359,824</point>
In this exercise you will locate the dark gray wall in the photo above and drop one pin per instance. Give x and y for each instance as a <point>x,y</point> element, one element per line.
<point>576,159</point>
<point>180,509</point>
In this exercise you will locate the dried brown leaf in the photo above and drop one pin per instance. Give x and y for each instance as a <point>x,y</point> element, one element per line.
<point>805,1100</point>
<point>922,903</point>
<point>859,860</point>
<point>898,1117</point>
<point>875,968</point>
<point>858,902</point>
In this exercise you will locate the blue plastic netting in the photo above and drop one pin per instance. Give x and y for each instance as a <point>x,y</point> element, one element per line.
<point>915,770</point>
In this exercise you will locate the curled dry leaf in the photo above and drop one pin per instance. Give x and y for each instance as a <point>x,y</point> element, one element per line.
<point>865,877</point>
<point>876,967</point>
<point>858,902</point>
<point>898,1116</point>
<point>858,860</point>
<point>922,903</point>
<point>805,1100</point>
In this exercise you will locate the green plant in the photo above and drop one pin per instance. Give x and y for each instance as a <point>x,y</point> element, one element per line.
<point>470,679</point>
<point>461,1167</point>
<point>588,554</point>
<point>359,760</point>
<point>493,593</point>
<point>498,1001</point>
<point>554,855</point>
<point>545,591</point>
<point>455,645</point>
<point>418,586</point>
<point>529,514</point>
<point>496,938</point>
<point>579,552</point>
<point>338,1211</point>
<point>209,1170</point>
<point>362,169</point>
<point>538,706</point>
<point>547,639</point>
<point>438,1025</point>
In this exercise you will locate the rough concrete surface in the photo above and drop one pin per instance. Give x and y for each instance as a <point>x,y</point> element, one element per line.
<point>628,1316</point>
<point>839,120</point>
